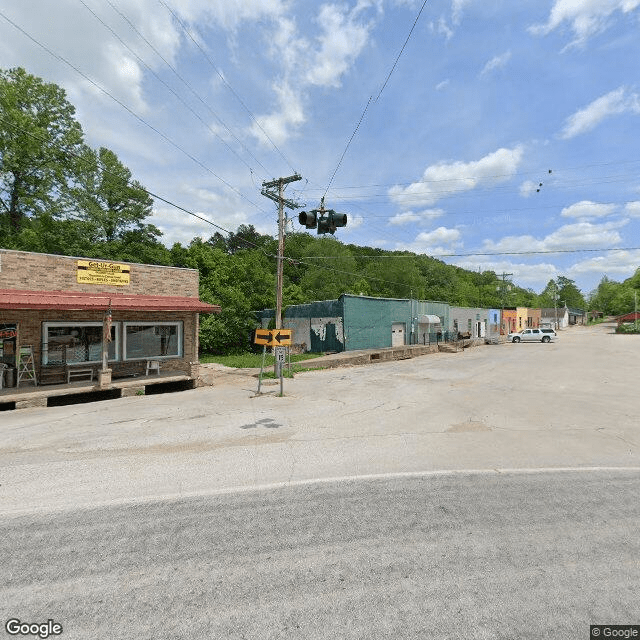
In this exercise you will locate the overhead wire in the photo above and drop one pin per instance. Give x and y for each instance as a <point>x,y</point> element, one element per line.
<point>167,86</point>
<point>376,100</point>
<point>128,109</point>
<point>186,84</point>
<point>226,83</point>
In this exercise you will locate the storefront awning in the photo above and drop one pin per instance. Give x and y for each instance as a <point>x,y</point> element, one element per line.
<point>428,319</point>
<point>82,301</point>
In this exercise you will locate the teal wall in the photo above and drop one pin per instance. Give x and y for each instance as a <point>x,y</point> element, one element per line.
<point>367,321</point>
<point>355,322</point>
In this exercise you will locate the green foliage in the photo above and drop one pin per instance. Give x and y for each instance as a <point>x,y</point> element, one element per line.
<point>616,298</point>
<point>38,136</point>
<point>59,196</point>
<point>252,360</point>
<point>628,328</point>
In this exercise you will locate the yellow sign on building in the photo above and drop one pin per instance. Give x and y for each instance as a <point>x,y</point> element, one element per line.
<point>105,273</point>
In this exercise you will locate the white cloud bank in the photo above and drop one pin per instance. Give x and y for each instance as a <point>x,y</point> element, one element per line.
<point>581,235</point>
<point>587,209</point>
<point>446,179</point>
<point>613,103</point>
<point>585,17</point>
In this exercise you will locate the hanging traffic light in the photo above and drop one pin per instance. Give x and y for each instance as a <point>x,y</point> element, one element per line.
<point>337,220</point>
<point>308,218</point>
<point>326,220</point>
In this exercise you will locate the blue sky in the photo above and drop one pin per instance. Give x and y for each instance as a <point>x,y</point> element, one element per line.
<point>489,100</point>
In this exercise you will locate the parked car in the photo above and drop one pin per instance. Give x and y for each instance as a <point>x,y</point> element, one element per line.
<point>533,335</point>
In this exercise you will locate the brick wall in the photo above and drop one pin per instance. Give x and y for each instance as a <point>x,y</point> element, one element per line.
<point>44,272</point>
<point>30,330</point>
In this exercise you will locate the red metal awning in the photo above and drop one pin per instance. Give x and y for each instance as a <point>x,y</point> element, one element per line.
<point>82,301</point>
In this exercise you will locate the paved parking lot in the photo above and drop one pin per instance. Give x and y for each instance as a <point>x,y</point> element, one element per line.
<point>568,404</point>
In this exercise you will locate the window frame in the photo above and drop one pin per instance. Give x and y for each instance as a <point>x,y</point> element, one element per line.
<point>71,323</point>
<point>136,323</point>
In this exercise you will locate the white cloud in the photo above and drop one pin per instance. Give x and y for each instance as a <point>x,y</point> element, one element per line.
<point>497,62</point>
<point>288,116</point>
<point>344,34</point>
<point>632,209</point>
<point>353,222</point>
<point>457,10</point>
<point>421,216</point>
<point>613,103</point>
<point>442,85</point>
<point>586,17</point>
<point>587,209</point>
<point>341,42</point>
<point>528,187</point>
<point>446,179</point>
<point>621,263</point>
<point>534,276</point>
<point>440,241</point>
<point>404,218</point>
<point>581,235</point>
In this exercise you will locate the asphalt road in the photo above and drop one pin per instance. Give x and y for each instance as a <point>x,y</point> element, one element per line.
<point>464,556</point>
<point>568,404</point>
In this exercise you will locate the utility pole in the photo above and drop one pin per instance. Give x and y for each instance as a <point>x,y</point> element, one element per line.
<point>268,191</point>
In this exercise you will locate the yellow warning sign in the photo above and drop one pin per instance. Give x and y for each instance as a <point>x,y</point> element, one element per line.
<point>274,337</point>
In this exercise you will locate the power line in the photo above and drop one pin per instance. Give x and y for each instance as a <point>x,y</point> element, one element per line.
<point>129,110</point>
<point>226,83</point>
<point>186,84</point>
<point>402,50</point>
<point>476,253</point>
<point>173,91</point>
<point>347,147</point>
<point>376,100</point>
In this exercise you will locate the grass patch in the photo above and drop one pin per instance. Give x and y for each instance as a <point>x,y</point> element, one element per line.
<point>252,360</point>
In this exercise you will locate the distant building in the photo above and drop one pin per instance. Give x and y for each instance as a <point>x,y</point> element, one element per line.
<point>362,322</point>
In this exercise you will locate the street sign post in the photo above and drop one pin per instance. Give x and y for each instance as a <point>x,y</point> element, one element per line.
<point>279,339</point>
<point>274,337</point>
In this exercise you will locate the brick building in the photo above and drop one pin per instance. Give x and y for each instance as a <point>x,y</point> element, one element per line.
<point>57,308</point>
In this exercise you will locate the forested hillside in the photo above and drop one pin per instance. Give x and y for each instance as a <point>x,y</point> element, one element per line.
<point>58,195</point>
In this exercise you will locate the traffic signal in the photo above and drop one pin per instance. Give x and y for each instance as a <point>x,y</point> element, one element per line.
<point>308,218</point>
<point>326,221</point>
<point>337,220</point>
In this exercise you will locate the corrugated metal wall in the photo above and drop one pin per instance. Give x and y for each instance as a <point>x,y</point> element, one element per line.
<point>367,321</point>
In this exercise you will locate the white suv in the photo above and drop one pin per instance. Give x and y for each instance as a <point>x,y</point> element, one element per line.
<point>533,335</point>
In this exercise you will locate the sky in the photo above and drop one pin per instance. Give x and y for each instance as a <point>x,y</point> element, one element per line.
<point>491,134</point>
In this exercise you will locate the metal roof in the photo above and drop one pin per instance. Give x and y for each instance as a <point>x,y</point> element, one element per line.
<point>83,301</point>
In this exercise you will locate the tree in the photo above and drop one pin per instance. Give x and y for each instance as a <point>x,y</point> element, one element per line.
<point>110,204</point>
<point>569,293</point>
<point>39,137</point>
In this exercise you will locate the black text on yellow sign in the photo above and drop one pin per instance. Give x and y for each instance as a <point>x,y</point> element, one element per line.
<point>274,337</point>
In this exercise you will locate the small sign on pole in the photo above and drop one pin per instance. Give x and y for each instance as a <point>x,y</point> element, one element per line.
<point>281,353</point>
<point>274,337</point>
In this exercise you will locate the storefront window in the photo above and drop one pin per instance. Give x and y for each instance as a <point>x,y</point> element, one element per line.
<point>159,340</point>
<point>8,333</point>
<point>78,342</point>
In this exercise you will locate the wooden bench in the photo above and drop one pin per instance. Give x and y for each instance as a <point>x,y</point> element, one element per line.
<point>79,373</point>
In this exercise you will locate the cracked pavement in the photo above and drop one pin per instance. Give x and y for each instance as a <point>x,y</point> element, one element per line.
<point>567,404</point>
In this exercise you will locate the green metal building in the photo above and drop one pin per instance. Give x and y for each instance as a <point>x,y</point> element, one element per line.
<point>361,322</point>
